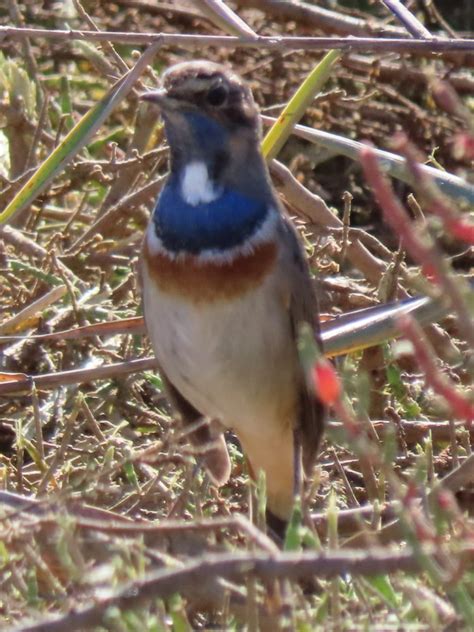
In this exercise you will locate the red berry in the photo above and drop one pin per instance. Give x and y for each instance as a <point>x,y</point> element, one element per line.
<point>462,230</point>
<point>326,382</point>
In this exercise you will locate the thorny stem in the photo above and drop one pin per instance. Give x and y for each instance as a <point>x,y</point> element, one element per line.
<point>366,44</point>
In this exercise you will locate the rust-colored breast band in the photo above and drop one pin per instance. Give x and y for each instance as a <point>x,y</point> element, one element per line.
<point>186,276</point>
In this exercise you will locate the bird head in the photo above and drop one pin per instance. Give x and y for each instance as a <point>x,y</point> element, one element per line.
<point>208,89</point>
<point>210,116</point>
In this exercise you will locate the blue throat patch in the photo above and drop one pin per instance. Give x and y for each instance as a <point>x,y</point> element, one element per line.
<point>207,132</point>
<point>219,225</point>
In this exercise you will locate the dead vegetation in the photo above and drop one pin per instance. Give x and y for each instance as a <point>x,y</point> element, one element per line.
<point>106,520</point>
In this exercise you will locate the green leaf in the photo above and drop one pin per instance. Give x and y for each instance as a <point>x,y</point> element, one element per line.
<point>46,277</point>
<point>296,106</point>
<point>154,379</point>
<point>293,536</point>
<point>17,85</point>
<point>178,616</point>
<point>130,474</point>
<point>32,586</point>
<point>381,584</point>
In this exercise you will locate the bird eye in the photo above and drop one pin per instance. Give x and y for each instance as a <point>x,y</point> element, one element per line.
<point>217,95</point>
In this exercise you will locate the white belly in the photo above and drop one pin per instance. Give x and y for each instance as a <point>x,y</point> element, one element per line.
<point>234,361</point>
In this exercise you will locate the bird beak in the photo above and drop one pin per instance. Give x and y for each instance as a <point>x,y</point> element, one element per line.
<point>159,97</point>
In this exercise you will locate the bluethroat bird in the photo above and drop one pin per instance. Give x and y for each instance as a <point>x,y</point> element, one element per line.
<point>226,288</point>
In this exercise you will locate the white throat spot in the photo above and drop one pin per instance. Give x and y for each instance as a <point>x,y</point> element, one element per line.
<point>196,187</point>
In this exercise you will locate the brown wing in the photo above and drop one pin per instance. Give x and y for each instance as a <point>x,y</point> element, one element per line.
<point>303,308</point>
<point>211,444</point>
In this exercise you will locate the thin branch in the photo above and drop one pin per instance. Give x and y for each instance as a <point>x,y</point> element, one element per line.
<point>395,164</point>
<point>389,70</point>
<point>308,205</point>
<point>165,582</point>
<point>133,325</point>
<point>459,402</point>
<point>453,481</point>
<point>22,319</point>
<point>418,243</point>
<point>410,22</point>
<point>454,221</point>
<point>457,478</point>
<point>76,376</point>
<point>313,16</point>
<point>21,242</point>
<point>366,44</point>
<point>223,17</point>
<point>415,430</point>
<point>96,519</point>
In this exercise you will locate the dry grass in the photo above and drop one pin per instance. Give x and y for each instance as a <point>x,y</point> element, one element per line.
<point>106,520</point>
